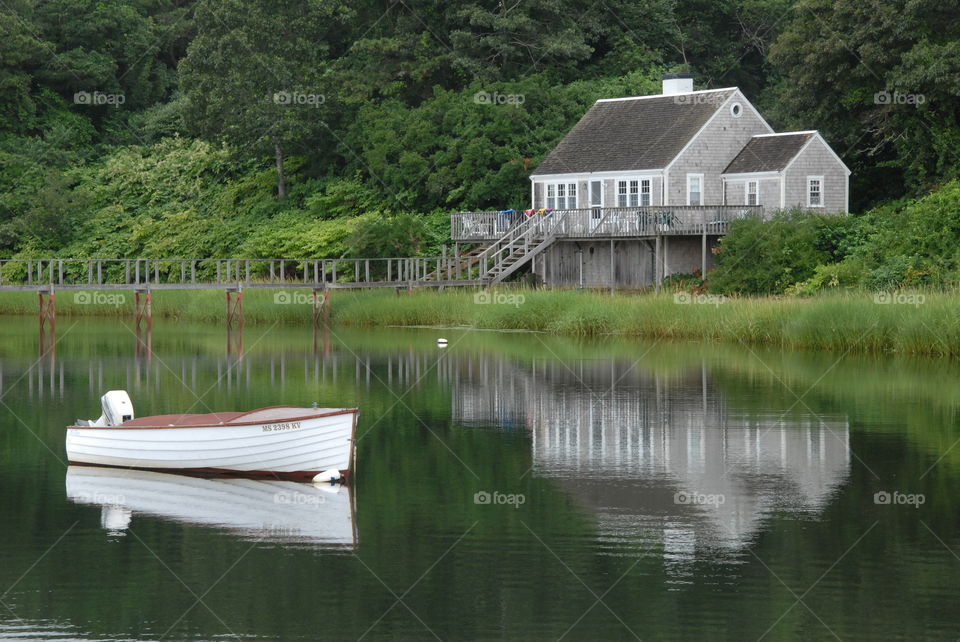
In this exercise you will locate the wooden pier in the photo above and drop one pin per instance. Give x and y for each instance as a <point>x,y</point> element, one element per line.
<point>90,278</point>
<point>220,274</point>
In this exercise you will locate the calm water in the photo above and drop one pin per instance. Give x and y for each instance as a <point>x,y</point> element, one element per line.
<point>510,486</point>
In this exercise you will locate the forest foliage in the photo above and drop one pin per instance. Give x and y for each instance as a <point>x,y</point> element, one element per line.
<point>324,128</point>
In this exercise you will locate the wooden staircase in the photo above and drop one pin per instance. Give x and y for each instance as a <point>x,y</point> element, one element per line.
<point>518,247</point>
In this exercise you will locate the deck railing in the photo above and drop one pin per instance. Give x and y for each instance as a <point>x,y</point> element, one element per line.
<point>606,222</point>
<point>206,273</point>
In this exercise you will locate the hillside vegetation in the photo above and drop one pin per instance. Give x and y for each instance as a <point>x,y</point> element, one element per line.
<point>202,128</point>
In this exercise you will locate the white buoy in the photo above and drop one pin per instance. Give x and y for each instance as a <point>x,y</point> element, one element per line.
<point>327,476</point>
<point>441,343</point>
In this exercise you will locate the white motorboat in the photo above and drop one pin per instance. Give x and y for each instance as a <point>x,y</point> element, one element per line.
<point>313,515</point>
<point>280,442</point>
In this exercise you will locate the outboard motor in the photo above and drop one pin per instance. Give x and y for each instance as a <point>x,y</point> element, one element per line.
<point>117,408</point>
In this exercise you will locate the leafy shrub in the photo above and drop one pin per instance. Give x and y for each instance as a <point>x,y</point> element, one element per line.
<point>765,257</point>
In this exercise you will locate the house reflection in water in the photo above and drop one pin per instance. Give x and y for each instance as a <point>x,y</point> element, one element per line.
<point>668,461</point>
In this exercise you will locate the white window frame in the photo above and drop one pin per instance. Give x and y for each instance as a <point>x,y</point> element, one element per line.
<point>689,177</point>
<point>746,192</point>
<point>590,202</point>
<point>622,197</point>
<point>821,192</point>
<point>564,193</point>
<point>633,194</point>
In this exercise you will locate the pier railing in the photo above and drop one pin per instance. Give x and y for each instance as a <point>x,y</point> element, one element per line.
<point>149,273</point>
<point>605,222</point>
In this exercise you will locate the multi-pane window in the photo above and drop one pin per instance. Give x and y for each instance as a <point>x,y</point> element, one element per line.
<point>694,189</point>
<point>815,191</point>
<point>561,196</point>
<point>631,193</point>
<point>752,195</point>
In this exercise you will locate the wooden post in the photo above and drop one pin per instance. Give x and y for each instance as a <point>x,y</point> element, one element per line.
<point>143,311</point>
<point>613,269</point>
<point>143,308</point>
<point>656,264</point>
<point>48,316</point>
<point>235,320</point>
<point>703,254</point>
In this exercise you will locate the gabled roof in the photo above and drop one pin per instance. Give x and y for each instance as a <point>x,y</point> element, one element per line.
<point>769,152</point>
<point>625,134</point>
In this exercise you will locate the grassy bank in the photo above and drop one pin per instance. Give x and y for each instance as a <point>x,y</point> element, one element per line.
<point>909,324</point>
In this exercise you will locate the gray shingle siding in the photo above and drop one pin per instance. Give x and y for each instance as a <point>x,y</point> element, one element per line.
<point>768,192</point>
<point>816,160</point>
<point>711,152</point>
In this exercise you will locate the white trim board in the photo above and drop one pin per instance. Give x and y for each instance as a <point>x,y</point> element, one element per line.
<point>753,176</point>
<point>685,93</point>
<point>809,131</point>
<point>586,176</point>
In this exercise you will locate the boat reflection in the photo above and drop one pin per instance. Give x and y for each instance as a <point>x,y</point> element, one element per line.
<point>281,512</point>
<point>668,461</point>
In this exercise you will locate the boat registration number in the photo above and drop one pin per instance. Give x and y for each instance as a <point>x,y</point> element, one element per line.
<point>293,425</point>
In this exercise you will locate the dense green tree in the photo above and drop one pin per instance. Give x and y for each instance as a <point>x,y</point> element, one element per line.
<point>881,79</point>
<point>256,75</point>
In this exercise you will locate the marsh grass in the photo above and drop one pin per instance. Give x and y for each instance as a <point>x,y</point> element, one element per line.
<point>839,321</point>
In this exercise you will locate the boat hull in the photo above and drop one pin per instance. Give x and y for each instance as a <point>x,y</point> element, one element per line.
<point>284,449</point>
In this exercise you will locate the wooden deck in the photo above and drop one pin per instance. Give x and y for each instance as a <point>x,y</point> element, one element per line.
<point>605,222</point>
